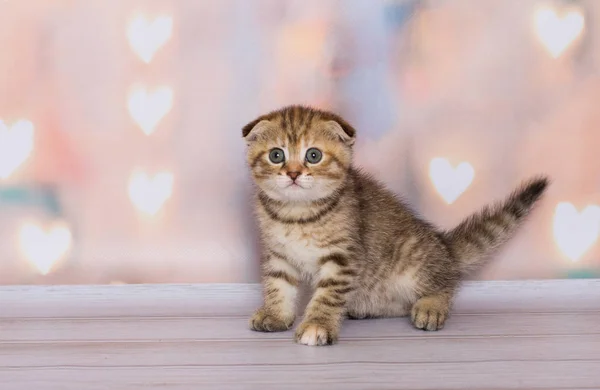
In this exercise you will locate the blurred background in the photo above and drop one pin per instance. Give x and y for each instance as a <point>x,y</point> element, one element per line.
<point>121,158</point>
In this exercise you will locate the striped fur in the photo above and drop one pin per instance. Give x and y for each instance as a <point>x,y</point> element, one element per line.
<point>365,253</point>
<point>478,236</point>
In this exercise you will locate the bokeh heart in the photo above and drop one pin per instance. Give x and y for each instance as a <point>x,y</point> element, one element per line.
<point>44,247</point>
<point>149,193</point>
<point>450,182</point>
<point>146,36</point>
<point>575,232</point>
<point>558,32</point>
<point>16,144</point>
<point>148,108</point>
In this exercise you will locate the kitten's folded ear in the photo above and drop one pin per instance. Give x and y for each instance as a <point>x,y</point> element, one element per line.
<point>343,130</point>
<point>252,130</point>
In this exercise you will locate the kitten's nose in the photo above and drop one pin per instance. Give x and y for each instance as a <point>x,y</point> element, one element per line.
<point>293,175</point>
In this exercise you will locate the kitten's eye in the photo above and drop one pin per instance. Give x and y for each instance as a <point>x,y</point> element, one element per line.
<point>276,156</point>
<point>313,155</point>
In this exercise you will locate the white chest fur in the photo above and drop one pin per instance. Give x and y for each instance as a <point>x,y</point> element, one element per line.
<point>300,245</point>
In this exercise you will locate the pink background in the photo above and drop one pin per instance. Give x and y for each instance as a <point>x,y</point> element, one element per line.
<point>466,80</point>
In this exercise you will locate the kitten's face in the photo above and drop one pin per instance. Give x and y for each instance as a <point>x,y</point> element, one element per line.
<point>299,154</point>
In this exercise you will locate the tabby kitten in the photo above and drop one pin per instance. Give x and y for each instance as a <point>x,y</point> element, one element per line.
<point>363,250</point>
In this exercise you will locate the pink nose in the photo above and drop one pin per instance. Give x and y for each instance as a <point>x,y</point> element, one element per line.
<point>293,175</point>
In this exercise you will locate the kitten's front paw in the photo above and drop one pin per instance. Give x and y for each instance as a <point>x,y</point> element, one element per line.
<point>315,334</point>
<point>263,321</point>
<point>429,313</point>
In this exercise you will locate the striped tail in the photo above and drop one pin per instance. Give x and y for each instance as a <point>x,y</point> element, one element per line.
<point>482,233</point>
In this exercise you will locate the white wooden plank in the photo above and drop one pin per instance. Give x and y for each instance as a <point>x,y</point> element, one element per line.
<point>235,328</point>
<point>241,299</point>
<point>571,375</point>
<point>268,351</point>
<point>502,335</point>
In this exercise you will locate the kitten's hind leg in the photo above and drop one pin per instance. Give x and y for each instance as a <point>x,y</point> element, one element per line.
<point>430,312</point>
<point>436,282</point>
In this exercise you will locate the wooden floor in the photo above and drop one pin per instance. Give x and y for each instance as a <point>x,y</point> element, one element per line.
<point>503,335</point>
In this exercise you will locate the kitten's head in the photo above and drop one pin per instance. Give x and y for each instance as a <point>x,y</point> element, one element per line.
<point>299,154</point>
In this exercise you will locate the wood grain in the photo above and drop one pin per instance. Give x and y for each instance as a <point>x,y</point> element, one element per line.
<point>502,335</point>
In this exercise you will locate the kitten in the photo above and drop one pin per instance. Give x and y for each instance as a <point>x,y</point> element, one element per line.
<point>363,250</point>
